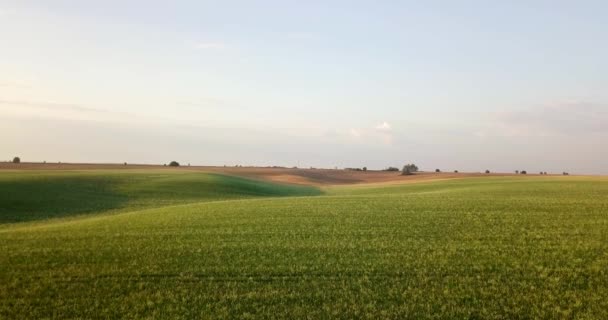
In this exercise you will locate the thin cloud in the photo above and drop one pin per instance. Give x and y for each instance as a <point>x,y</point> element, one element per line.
<point>205,103</point>
<point>6,12</point>
<point>557,119</point>
<point>379,134</point>
<point>384,126</point>
<point>54,110</point>
<point>301,35</point>
<point>210,45</point>
<point>50,105</point>
<point>355,133</point>
<point>12,84</point>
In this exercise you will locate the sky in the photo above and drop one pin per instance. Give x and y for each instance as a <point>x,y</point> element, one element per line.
<point>455,85</point>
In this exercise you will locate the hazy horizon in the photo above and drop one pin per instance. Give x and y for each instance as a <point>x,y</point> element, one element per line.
<point>468,86</point>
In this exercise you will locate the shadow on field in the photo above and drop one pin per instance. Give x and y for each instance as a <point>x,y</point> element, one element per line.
<point>36,197</point>
<point>39,198</point>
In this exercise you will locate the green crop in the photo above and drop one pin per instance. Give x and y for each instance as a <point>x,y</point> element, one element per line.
<point>35,195</point>
<point>500,248</point>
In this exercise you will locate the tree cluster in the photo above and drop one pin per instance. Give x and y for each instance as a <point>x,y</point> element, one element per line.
<point>391,169</point>
<point>409,169</point>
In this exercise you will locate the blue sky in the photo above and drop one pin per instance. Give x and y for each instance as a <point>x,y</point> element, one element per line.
<point>467,85</point>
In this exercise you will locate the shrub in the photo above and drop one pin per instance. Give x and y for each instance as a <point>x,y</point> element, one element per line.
<point>437,170</point>
<point>516,171</point>
<point>364,168</point>
<point>173,164</point>
<point>524,172</point>
<point>409,169</point>
<point>391,169</point>
<point>487,171</point>
<point>16,160</point>
<point>455,171</point>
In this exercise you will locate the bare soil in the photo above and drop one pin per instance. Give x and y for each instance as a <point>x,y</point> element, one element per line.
<point>315,177</point>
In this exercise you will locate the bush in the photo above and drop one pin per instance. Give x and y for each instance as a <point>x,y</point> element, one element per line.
<point>173,164</point>
<point>391,169</point>
<point>16,160</point>
<point>364,168</point>
<point>455,171</point>
<point>516,171</point>
<point>409,169</point>
<point>487,171</point>
<point>524,172</point>
<point>437,170</point>
<point>566,173</point>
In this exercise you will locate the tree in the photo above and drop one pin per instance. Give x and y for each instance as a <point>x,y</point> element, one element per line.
<point>487,171</point>
<point>409,169</point>
<point>364,168</point>
<point>524,172</point>
<point>437,170</point>
<point>391,169</point>
<point>16,160</point>
<point>455,171</point>
<point>173,164</point>
<point>516,171</point>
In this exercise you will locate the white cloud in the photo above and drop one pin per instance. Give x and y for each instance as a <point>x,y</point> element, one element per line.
<point>210,45</point>
<point>380,134</point>
<point>384,126</point>
<point>355,133</point>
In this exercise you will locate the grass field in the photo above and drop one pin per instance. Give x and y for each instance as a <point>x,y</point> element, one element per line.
<point>163,244</point>
<point>35,195</point>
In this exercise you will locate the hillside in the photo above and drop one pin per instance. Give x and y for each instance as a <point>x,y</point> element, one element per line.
<point>499,247</point>
<point>313,177</point>
<point>34,194</point>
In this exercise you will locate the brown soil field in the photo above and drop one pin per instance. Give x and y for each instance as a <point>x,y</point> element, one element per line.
<point>316,177</point>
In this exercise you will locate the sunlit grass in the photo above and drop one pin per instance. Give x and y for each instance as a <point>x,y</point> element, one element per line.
<point>471,248</point>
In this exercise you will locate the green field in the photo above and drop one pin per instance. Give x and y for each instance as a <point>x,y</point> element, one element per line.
<point>169,244</point>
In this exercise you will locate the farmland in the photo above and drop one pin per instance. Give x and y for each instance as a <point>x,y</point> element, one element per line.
<point>154,243</point>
